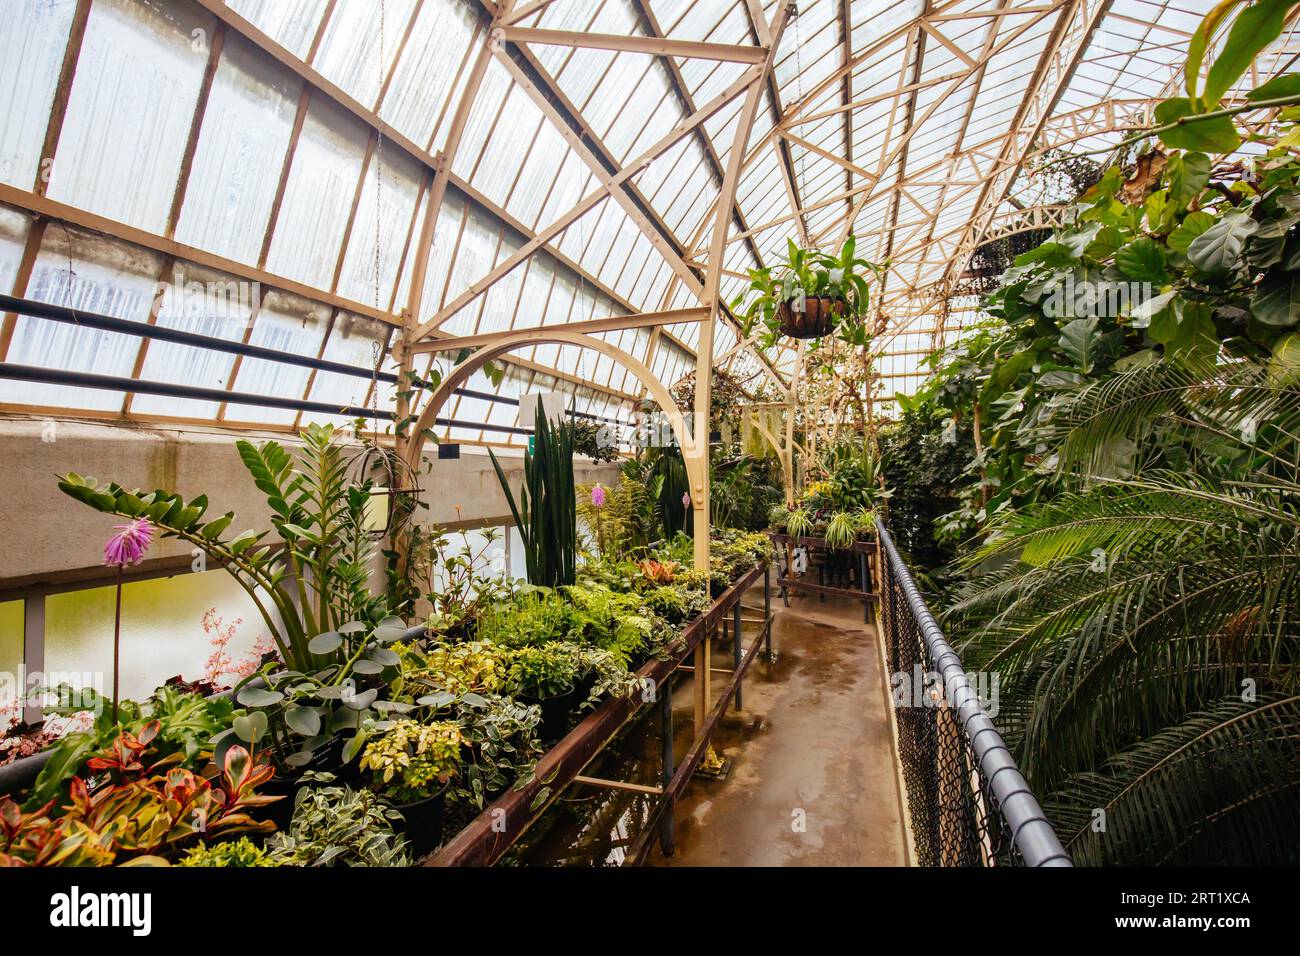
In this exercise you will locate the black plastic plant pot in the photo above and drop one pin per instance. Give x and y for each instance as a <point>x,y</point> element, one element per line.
<point>422,821</point>
<point>555,713</point>
<point>281,812</point>
<point>327,758</point>
<point>583,687</point>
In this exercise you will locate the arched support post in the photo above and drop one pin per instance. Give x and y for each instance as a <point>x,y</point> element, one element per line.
<point>784,453</point>
<point>695,455</point>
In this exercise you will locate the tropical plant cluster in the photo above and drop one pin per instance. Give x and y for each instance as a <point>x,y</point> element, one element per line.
<point>1116,454</point>
<point>840,504</point>
<point>360,734</point>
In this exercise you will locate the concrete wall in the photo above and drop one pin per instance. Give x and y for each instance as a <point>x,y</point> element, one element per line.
<point>48,533</point>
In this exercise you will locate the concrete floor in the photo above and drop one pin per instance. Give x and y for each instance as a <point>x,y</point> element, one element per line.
<point>813,780</point>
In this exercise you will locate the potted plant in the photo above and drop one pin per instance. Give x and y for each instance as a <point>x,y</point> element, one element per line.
<point>412,766</point>
<point>334,825</point>
<point>841,531</point>
<point>807,296</point>
<point>546,676</point>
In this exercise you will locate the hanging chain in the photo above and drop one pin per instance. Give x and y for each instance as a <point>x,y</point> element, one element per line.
<point>376,348</point>
<point>798,80</point>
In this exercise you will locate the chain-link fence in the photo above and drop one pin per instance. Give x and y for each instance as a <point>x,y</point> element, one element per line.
<point>969,804</point>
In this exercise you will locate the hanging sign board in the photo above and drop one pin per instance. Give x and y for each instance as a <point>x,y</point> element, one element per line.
<point>552,404</point>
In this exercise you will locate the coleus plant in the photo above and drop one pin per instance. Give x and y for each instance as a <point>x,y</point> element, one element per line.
<point>658,572</point>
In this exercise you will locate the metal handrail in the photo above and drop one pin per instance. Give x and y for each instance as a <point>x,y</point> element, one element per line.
<point>1030,830</point>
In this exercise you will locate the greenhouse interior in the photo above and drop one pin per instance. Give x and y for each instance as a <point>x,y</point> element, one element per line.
<point>649,433</point>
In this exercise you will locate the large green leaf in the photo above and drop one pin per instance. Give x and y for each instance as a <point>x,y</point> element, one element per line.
<point>1277,300</point>
<point>1143,261</point>
<point>1217,135</point>
<point>1206,30</point>
<point>1149,311</point>
<point>1189,174</point>
<point>326,643</point>
<point>1256,27</point>
<point>259,697</point>
<point>1288,84</point>
<point>251,727</point>
<point>304,721</point>
<point>1080,340</point>
<point>1220,248</point>
<point>1192,226</point>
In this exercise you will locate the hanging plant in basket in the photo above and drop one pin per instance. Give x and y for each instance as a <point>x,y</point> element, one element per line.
<point>808,296</point>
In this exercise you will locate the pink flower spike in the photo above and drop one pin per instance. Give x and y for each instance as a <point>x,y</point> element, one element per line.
<point>686,499</point>
<point>598,496</point>
<point>130,543</point>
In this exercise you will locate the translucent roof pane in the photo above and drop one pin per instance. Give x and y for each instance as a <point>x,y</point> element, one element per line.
<point>298,145</point>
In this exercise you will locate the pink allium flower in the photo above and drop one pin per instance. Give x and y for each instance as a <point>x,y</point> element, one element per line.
<point>598,496</point>
<point>129,544</point>
<point>686,499</point>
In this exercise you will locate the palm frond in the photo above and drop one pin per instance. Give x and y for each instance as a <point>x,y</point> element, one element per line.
<point>1221,787</point>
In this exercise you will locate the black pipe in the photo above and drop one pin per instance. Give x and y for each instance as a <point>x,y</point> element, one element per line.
<point>212,343</point>
<point>22,773</point>
<point>116,383</point>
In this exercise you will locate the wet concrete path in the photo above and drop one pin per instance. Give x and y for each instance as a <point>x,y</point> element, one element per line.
<point>813,780</point>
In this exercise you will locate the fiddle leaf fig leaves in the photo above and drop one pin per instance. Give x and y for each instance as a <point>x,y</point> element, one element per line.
<point>1080,340</point>
<point>1256,27</point>
<point>1214,135</point>
<point>1219,249</point>
<point>1189,174</point>
<point>1142,261</point>
<point>1192,226</point>
<point>1277,300</point>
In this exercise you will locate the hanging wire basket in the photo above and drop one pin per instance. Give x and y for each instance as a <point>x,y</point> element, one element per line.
<point>394,488</point>
<point>811,317</point>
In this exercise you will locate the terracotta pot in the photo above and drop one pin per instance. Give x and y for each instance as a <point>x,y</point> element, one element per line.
<point>818,318</point>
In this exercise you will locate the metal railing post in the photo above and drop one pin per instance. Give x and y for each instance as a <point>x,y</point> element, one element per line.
<point>736,648</point>
<point>767,612</point>
<point>665,692</point>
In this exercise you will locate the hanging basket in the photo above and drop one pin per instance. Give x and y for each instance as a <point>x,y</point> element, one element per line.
<point>819,317</point>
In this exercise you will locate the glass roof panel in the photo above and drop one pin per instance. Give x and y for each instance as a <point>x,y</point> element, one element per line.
<point>911,133</point>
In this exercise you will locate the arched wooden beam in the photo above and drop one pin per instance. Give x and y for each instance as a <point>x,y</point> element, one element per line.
<point>694,454</point>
